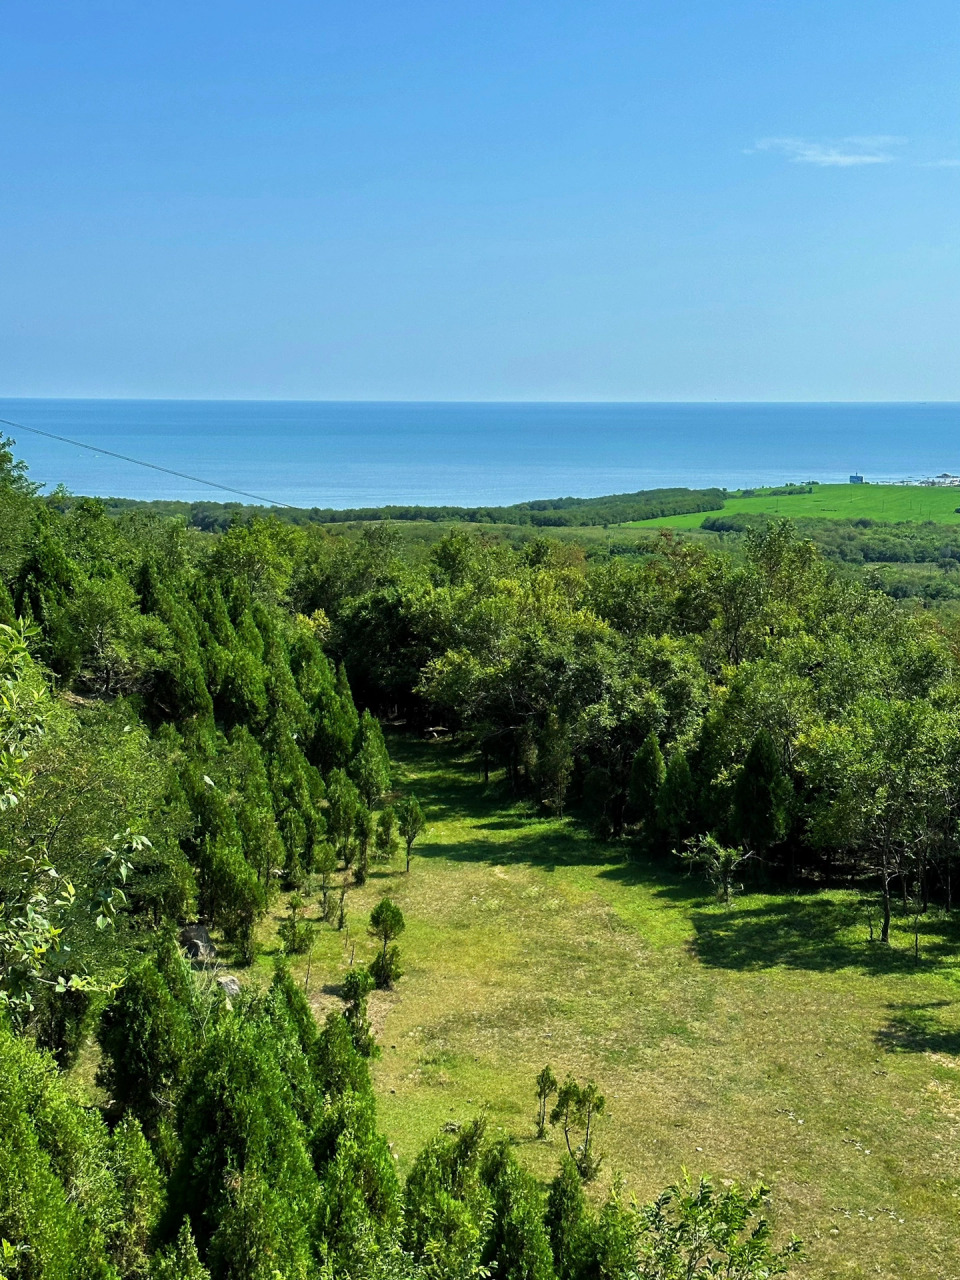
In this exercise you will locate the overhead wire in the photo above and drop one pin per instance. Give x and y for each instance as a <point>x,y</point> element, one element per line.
<point>139,462</point>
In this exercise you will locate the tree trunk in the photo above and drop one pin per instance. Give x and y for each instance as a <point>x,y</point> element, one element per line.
<point>885,928</point>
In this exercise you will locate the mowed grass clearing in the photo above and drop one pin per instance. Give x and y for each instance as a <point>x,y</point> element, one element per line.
<point>892,502</point>
<point>766,1039</point>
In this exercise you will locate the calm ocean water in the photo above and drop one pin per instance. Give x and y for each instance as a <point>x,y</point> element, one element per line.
<point>355,454</point>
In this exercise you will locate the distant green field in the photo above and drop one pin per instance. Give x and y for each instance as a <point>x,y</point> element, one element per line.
<point>836,502</point>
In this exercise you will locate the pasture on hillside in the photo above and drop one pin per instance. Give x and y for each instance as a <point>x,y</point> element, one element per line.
<point>767,1039</point>
<point>893,502</point>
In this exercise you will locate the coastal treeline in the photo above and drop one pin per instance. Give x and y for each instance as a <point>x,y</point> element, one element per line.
<point>648,504</point>
<point>189,727</point>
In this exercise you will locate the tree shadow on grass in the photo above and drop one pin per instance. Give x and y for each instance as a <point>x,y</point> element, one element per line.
<point>543,845</point>
<point>810,932</point>
<point>918,1028</point>
<point>650,873</point>
<point>512,822</point>
<point>446,780</point>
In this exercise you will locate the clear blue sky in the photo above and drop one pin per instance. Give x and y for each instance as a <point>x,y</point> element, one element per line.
<point>506,199</point>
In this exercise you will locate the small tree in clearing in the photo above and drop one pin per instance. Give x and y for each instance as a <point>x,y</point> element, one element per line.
<point>719,863</point>
<point>325,865</point>
<point>385,840</point>
<point>577,1108</point>
<point>546,1085</point>
<point>386,924</point>
<point>357,985</point>
<point>411,821</point>
<point>295,933</point>
<point>364,829</point>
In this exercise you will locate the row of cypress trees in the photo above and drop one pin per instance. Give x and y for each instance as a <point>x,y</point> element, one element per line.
<point>254,718</point>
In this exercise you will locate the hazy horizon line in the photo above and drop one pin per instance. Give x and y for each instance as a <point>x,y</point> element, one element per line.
<point>459,400</point>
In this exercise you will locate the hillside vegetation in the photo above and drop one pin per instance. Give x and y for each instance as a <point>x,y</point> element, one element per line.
<point>686,806</point>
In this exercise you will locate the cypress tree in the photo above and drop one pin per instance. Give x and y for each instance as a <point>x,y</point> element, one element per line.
<point>357,985</point>
<point>342,803</point>
<point>8,615</point>
<point>244,1174</point>
<point>336,724</point>
<point>255,1237</point>
<point>337,1066</point>
<point>567,1220</point>
<point>448,1202</point>
<point>59,1202</point>
<point>148,1037</point>
<point>675,800</point>
<point>232,895</point>
<point>37,1216</point>
<point>517,1247</point>
<point>364,830</point>
<point>370,768</point>
<point>347,708</point>
<point>647,774</point>
<point>140,1190</point>
<point>762,793</point>
<point>179,1261</point>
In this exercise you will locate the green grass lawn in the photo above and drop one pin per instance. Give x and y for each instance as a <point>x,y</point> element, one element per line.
<point>835,502</point>
<point>766,1039</point>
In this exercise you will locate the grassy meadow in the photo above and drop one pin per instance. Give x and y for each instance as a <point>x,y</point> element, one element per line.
<point>893,502</point>
<point>770,1038</point>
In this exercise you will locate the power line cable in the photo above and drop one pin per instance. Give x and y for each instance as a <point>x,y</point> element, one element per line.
<point>138,462</point>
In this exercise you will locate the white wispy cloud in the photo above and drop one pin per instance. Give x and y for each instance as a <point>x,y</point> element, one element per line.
<point>844,153</point>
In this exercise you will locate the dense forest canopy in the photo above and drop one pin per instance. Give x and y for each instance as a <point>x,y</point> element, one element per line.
<point>191,724</point>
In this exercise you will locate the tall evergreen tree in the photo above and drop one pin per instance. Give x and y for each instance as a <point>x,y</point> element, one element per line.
<point>762,795</point>
<point>370,768</point>
<point>148,1035</point>
<point>567,1220</point>
<point>675,801</point>
<point>647,775</point>
<point>244,1175</point>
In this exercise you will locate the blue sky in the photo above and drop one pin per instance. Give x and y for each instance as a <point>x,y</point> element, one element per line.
<point>523,200</point>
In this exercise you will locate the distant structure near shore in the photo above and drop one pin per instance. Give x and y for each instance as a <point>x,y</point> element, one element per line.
<point>945,480</point>
<point>856,479</point>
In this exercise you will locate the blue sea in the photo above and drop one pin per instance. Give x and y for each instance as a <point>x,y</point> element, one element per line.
<point>326,454</point>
